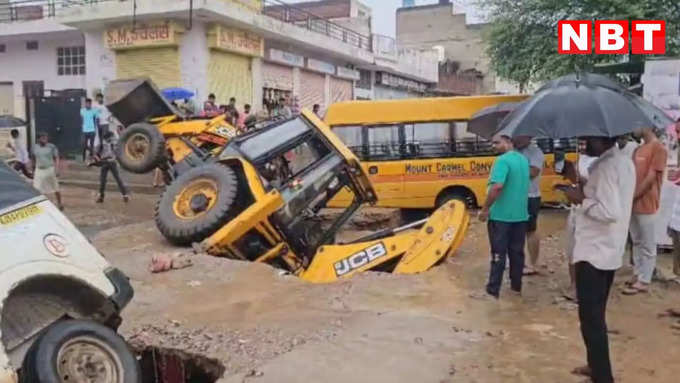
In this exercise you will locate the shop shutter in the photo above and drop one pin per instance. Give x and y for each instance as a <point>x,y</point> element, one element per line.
<point>230,75</point>
<point>277,76</point>
<point>160,64</point>
<point>341,90</point>
<point>312,89</point>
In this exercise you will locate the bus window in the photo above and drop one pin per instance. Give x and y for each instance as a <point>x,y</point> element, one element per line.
<point>428,139</point>
<point>351,136</point>
<point>383,142</point>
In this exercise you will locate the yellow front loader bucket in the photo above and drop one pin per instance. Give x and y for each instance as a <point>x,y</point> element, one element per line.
<point>405,253</point>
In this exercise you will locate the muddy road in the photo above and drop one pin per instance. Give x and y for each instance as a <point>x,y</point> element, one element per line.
<point>263,326</point>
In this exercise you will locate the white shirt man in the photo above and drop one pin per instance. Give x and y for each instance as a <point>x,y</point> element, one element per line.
<point>602,219</point>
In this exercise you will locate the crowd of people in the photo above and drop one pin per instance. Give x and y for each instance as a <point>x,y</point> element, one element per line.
<point>614,191</point>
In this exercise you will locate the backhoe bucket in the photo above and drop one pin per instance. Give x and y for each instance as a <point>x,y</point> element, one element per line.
<point>405,253</point>
<point>137,100</point>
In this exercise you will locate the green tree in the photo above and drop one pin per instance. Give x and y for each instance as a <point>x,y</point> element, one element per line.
<point>522,35</point>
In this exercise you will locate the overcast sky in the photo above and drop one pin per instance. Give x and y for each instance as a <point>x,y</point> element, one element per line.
<point>384,13</point>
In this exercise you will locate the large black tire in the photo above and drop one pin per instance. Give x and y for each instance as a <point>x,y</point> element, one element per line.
<point>185,215</point>
<point>141,148</point>
<point>454,194</point>
<point>72,350</point>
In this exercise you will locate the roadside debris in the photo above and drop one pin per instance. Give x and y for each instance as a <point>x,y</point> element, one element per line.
<point>163,262</point>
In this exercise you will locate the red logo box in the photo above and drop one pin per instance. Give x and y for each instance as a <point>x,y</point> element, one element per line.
<point>648,37</point>
<point>611,37</point>
<point>574,37</point>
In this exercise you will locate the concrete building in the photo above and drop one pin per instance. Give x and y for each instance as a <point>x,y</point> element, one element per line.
<point>396,72</point>
<point>253,50</point>
<point>456,31</point>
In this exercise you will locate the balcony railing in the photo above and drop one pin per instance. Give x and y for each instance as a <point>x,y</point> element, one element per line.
<point>26,10</point>
<point>303,19</point>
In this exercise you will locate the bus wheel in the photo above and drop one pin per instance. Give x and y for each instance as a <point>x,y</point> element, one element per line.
<point>455,194</point>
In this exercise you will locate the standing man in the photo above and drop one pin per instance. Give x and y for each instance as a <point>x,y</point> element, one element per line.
<point>507,212</point>
<point>673,228</point>
<point>19,149</point>
<point>89,117</point>
<point>601,228</point>
<point>284,109</point>
<point>210,108</point>
<point>535,157</point>
<point>104,118</point>
<point>650,163</point>
<point>107,160</point>
<point>45,163</point>
<point>316,109</point>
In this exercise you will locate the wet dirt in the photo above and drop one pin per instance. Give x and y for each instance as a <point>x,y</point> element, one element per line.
<point>268,327</point>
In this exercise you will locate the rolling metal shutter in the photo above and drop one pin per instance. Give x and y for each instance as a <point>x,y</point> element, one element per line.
<point>312,89</point>
<point>230,75</point>
<point>341,90</point>
<point>277,76</point>
<point>161,64</point>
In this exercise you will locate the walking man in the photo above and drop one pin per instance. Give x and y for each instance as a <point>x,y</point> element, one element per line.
<point>89,116</point>
<point>107,160</point>
<point>507,212</point>
<point>46,162</point>
<point>650,163</point>
<point>601,228</point>
<point>535,157</point>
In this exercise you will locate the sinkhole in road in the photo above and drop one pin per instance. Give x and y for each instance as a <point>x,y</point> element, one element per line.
<point>167,365</point>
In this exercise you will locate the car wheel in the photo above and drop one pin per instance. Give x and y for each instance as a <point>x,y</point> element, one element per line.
<point>80,351</point>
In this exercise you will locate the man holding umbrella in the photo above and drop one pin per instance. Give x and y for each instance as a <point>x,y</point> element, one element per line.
<point>600,236</point>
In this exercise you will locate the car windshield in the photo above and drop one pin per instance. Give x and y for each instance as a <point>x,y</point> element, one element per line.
<point>13,188</point>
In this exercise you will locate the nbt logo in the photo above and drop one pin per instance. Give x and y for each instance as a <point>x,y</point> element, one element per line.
<point>642,37</point>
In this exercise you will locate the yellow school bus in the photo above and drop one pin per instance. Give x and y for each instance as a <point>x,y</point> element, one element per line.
<point>419,154</point>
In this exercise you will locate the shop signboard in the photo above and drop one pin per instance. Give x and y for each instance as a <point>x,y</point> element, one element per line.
<point>286,58</point>
<point>156,33</point>
<point>320,66</point>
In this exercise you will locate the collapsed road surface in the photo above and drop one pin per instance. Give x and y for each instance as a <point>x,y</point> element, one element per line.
<point>262,326</point>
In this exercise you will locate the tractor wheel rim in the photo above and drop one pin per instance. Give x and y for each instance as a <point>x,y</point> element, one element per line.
<point>88,360</point>
<point>137,146</point>
<point>200,188</point>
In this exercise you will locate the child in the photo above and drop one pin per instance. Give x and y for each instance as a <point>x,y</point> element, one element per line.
<point>107,160</point>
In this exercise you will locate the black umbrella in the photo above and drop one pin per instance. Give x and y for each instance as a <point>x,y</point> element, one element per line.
<point>574,107</point>
<point>659,118</point>
<point>8,121</point>
<point>485,122</point>
<point>591,79</point>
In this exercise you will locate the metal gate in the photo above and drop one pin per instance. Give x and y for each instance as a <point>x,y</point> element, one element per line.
<point>60,118</point>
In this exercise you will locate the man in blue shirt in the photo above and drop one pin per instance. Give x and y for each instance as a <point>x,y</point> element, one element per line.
<point>89,116</point>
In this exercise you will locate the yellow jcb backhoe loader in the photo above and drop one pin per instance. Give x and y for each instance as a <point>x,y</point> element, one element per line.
<point>258,198</point>
<point>157,134</point>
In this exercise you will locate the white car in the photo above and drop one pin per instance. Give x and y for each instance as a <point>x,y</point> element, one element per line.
<point>60,300</point>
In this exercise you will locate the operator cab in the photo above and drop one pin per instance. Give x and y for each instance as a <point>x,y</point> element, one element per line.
<point>298,161</point>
